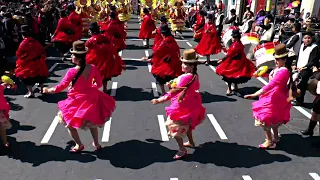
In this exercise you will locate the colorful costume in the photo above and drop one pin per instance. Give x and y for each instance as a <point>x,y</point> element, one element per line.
<point>177,16</point>
<point>76,20</point>
<point>86,106</point>
<point>31,64</point>
<point>4,110</point>
<point>63,34</point>
<point>114,30</point>
<point>103,54</point>
<point>198,27</point>
<point>166,64</point>
<point>147,26</point>
<point>188,113</point>
<point>236,68</point>
<point>210,42</point>
<point>124,9</point>
<point>272,108</point>
<point>163,8</point>
<point>149,4</point>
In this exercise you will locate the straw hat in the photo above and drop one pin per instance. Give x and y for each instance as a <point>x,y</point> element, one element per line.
<point>189,56</point>
<point>78,47</point>
<point>280,51</point>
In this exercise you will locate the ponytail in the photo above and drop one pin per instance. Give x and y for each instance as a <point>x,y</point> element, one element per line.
<point>82,65</point>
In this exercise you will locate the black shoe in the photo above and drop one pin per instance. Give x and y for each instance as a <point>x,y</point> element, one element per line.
<point>309,130</point>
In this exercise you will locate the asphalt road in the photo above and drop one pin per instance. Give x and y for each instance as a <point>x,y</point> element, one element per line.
<point>136,146</point>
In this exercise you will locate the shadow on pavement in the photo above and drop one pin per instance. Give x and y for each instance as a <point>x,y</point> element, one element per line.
<point>233,155</point>
<point>131,68</point>
<point>135,63</point>
<point>134,47</point>
<point>300,146</point>
<point>125,93</point>
<point>53,98</point>
<point>29,152</point>
<point>14,107</point>
<point>209,98</point>
<point>17,127</point>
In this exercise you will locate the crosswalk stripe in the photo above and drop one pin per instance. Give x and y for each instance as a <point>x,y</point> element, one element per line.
<point>154,89</point>
<point>189,44</point>
<point>120,53</point>
<point>147,53</point>
<point>149,67</point>
<point>174,179</point>
<point>50,131</point>
<point>246,177</point>
<point>114,88</point>
<point>315,176</point>
<point>216,126</point>
<point>106,131</point>
<point>54,66</point>
<point>163,129</point>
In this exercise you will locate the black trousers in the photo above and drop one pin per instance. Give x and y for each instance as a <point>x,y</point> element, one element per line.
<point>303,86</point>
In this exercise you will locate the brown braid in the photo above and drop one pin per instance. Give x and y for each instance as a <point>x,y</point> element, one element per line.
<point>184,89</point>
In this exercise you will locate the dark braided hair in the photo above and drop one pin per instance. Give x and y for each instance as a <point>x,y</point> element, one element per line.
<point>82,64</point>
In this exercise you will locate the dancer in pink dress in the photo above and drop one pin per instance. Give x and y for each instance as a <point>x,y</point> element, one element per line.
<point>186,110</point>
<point>4,115</point>
<point>273,107</point>
<point>86,106</point>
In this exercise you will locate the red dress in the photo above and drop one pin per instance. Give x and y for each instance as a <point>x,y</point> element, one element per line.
<point>198,28</point>
<point>76,20</point>
<point>166,59</point>
<point>236,68</point>
<point>114,30</point>
<point>147,26</point>
<point>64,31</point>
<point>210,42</point>
<point>157,38</point>
<point>31,62</point>
<point>103,54</point>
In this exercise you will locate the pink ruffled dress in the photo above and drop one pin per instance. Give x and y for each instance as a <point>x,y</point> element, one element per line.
<point>4,110</point>
<point>186,114</point>
<point>86,106</point>
<point>272,109</point>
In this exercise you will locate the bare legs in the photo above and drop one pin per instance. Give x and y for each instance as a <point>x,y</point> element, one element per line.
<point>30,93</point>
<point>229,90</point>
<point>182,146</point>
<point>3,135</point>
<point>269,140</point>
<point>79,146</point>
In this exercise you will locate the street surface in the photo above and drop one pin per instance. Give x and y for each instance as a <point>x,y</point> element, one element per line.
<point>136,145</point>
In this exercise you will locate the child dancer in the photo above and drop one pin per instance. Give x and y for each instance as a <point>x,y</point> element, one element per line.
<point>86,106</point>
<point>186,110</point>
<point>4,114</point>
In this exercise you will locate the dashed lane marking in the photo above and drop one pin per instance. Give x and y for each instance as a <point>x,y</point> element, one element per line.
<point>174,179</point>
<point>106,131</point>
<point>149,67</point>
<point>147,53</point>
<point>50,131</point>
<point>120,53</point>
<point>163,130</point>
<point>154,89</point>
<point>246,177</point>
<point>189,44</point>
<point>315,176</point>
<point>54,66</point>
<point>114,88</point>
<point>217,127</point>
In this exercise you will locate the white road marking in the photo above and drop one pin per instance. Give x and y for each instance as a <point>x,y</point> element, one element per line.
<point>120,53</point>
<point>246,177</point>
<point>136,59</point>
<point>189,44</point>
<point>149,67</point>
<point>54,66</point>
<point>50,131</point>
<point>163,129</point>
<point>147,53</point>
<point>216,125</point>
<point>144,42</point>
<point>315,176</point>
<point>114,88</point>
<point>300,109</point>
<point>154,89</point>
<point>174,179</point>
<point>106,131</point>
<point>182,40</point>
